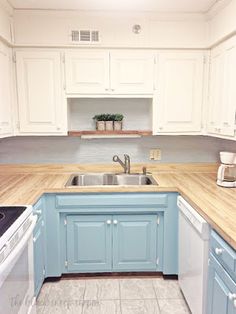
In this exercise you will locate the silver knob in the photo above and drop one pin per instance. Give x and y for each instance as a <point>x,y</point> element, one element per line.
<point>38,212</point>
<point>218,251</point>
<point>108,222</point>
<point>34,239</point>
<point>115,222</point>
<point>232,296</point>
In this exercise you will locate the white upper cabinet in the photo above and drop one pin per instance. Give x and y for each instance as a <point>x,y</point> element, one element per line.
<point>103,72</point>
<point>222,97</point>
<point>42,108</point>
<point>132,72</point>
<point>177,103</point>
<point>5,92</point>
<point>87,72</point>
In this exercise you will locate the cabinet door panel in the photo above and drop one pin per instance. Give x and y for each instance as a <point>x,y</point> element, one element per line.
<point>132,72</point>
<point>216,90</point>
<point>135,242</point>
<point>89,243</point>
<point>222,104</point>
<point>178,98</point>
<point>39,83</point>
<point>229,100</point>
<point>5,92</point>
<point>87,72</point>
<point>220,287</point>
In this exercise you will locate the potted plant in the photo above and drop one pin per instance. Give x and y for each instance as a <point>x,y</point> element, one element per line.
<point>100,122</point>
<point>118,121</point>
<point>108,122</point>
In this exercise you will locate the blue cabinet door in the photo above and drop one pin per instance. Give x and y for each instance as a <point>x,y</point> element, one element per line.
<point>89,243</point>
<point>135,242</point>
<point>39,269</point>
<point>220,287</point>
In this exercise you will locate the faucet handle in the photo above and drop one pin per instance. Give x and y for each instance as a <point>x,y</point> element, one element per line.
<point>115,158</point>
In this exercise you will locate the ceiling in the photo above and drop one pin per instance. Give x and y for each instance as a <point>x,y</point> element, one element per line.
<point>134,5</point>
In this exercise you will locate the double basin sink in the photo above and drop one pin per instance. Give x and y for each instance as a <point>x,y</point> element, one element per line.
<point>100,179</point>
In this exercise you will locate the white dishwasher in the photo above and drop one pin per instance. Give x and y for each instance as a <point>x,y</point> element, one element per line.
<point>193,256</point>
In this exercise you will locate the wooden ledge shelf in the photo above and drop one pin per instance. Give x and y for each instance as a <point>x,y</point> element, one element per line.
<point>110,134</point>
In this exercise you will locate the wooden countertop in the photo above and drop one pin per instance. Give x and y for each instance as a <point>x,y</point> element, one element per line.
<point>24,184</point>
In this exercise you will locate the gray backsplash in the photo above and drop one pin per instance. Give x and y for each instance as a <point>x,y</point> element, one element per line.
<point>75,150</point>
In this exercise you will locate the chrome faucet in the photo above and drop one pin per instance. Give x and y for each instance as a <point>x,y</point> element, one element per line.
<point>125,165</point>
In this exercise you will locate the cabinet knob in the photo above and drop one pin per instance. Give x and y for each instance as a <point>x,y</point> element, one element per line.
<point>58,128</point>
<point>218,251</point>
<point>108,222</point>
<point>106,89</point>
<point>112,89</point>
<point>38,212</point>
<point>232,296</point>
<point>115,222</point>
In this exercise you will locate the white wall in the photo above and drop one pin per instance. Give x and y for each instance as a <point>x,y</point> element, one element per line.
<point>223,23</point>
<point>6,14</point>
<point>53,28</point>
<point>74,150</point>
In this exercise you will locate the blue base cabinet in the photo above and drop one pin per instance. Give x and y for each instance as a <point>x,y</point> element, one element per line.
<point>105,232</point>
<point>221,290</point>
<point>112,243</point>
<point>221,277</point>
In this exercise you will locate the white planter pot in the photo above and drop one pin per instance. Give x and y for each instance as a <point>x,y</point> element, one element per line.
<point>118,125</point>
<point>109,125</point>
<point>100,125</point>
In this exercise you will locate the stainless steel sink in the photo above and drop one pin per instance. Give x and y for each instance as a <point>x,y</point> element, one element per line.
<point>90,179</point>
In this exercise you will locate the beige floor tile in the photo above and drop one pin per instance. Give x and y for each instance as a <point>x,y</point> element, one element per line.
<point>62,310</point>
<point>68,292</point>
<point>173,306</point>
<point>102,289</point>
<point>140,307</point>
<point>102,307</point>
<point>167,289</point>
<point>136,289</point>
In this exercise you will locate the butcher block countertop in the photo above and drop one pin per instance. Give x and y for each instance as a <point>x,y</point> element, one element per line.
<point>24,184</point>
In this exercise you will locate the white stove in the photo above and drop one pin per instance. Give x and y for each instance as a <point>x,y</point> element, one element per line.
<point>16,260</point>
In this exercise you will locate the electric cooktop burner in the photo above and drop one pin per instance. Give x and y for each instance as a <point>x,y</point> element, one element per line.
<point>8,216</point>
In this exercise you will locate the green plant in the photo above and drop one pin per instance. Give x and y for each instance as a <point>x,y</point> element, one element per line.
<point>108,117</point>
<point>118,117</point>
<point>99,117</point>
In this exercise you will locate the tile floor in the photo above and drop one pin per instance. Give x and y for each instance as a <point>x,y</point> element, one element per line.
<point>112,296</point>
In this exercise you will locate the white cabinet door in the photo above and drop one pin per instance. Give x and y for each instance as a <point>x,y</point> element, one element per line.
<point>216,90</point>
<point>132,72</point>
<point>222,98</point>
<point>228,112</point>
<point>5,92</point>
<point>177,104</point>
<point>42,108</point>
<point>87,72</point>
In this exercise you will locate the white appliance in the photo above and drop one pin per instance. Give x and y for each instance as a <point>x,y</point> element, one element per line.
<point>228,163</point>
<point>16,260</point>
<point>193,256</point>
